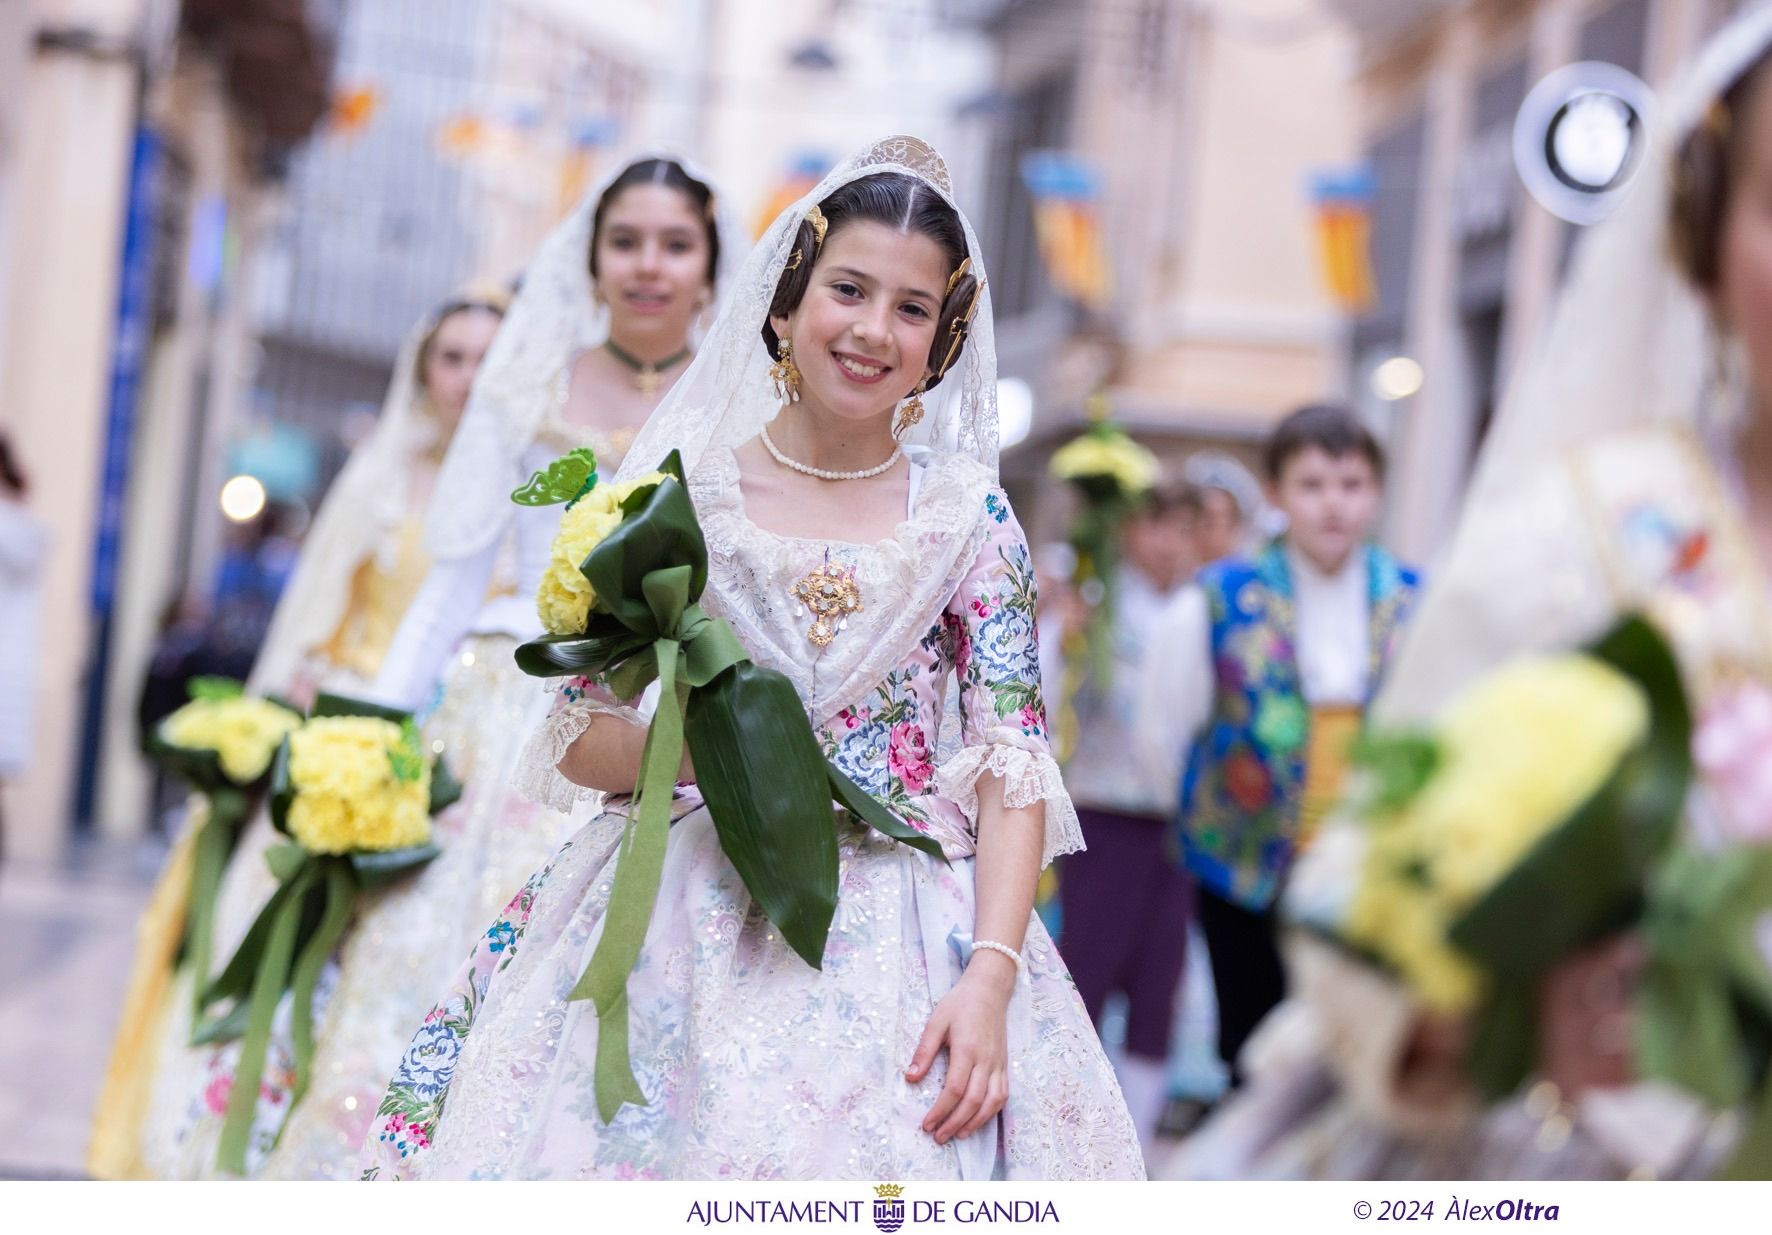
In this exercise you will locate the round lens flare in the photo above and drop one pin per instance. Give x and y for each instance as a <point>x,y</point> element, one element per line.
<point>243,498</point>
<point>1015,411</point>
<point>1397,378</point>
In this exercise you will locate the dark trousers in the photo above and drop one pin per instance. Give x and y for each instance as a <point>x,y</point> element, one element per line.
<point>1246,970</point>
<point>1126,906</point>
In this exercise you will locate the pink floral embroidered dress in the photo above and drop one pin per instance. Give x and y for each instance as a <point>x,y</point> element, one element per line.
<point>755,1065</point>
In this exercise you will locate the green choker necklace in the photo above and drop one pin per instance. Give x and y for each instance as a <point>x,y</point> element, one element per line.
<point>646,376</point>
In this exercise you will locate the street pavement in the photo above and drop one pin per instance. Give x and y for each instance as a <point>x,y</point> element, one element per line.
<point>66,935</point>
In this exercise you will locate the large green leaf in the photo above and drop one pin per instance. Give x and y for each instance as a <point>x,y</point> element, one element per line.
<point>865,808</point>
<point>659,531</point>
<point>555,656</point>
<point>373,869</point>
<point>344,705</point>
<point>768,789</point>
<point>446,790</point>
<point>1504,1040</point>
<point>282,794</point>
<point>202,768</point>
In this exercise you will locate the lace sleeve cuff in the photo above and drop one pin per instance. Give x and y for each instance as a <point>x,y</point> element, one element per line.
<point>1029,776</point>
<point>538,775</point>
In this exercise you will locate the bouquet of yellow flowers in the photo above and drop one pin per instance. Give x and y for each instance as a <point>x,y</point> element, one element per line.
<point>354,791</point>
<point>222,742</point>
<point>1106,463</point>
<point>621,602</point>
<point>1543,814</point>
<point>233,734</point>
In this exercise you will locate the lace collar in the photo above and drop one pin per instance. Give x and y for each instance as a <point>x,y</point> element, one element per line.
<point>906,580</point>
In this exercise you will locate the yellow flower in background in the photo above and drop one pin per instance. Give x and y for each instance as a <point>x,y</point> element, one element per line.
<point>1519,753</point>
<point>349,795</point>
<point>1114,455</point>
<point>243,732</point>
<point>564,598</point>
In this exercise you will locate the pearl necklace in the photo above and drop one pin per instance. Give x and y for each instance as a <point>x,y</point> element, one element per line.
<point>821,473</point>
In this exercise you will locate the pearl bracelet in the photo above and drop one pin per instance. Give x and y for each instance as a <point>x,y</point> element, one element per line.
<point>1005,949</point>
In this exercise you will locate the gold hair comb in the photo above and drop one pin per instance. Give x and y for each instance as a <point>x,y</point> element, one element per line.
<point>954,279</point>
<point>815,216</point>
<point>958,329</point>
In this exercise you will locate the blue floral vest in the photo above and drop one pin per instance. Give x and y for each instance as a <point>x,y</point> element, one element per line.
<point>1245,775</point>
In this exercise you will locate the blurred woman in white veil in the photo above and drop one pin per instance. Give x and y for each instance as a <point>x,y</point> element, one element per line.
<point>1630,472</point>
<point>361,563</point>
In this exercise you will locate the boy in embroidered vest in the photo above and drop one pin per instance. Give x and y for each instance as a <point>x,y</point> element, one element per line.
<point>1264,672</point>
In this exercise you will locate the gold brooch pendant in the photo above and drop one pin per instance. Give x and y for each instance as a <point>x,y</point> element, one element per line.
<point>831,594</point>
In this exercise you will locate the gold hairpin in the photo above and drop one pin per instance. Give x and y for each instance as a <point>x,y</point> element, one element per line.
<point>957,329</point>
<point>793,262</point>
<point>954,279</point>
<point>815,216</point>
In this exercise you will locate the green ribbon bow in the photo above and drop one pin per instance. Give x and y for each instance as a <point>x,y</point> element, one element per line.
<point>299,927</point>
<point>768,787</point>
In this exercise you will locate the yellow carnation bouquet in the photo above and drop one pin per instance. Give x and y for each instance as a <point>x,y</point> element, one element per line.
<point>1541,815</point>
<point>222,742</point>
<point>354,790</point>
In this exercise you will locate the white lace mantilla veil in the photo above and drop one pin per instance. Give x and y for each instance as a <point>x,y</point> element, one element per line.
<point>552,319</point>
<point>726,397</point>
<point>1629,346</point>
<point>374,481</point>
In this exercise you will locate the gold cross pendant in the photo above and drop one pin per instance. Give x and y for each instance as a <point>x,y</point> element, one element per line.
<point>646,381</point>
<point>831,594</point>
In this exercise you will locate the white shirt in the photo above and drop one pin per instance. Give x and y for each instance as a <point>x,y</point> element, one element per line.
<point>1104,772</point>
<point>1175,692</point>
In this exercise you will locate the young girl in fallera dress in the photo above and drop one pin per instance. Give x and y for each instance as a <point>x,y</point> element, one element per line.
<point>942,1039</point>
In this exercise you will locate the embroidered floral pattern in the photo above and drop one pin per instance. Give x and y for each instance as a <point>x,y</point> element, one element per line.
<point>409,1112</point>
<point>721,1014</point>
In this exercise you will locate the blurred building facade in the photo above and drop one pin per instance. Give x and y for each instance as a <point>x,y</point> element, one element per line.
<point>1466,261</point>
<point>461,130</point>
<point>1201,123</point>
<point>152,135</point>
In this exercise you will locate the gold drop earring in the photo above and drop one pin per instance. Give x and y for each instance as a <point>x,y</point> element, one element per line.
<point>785,374</point>
<point>912,412</point>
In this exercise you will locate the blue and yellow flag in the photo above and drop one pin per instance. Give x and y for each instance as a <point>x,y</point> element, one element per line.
<point>1067,193</point>
<point>1343,200</point>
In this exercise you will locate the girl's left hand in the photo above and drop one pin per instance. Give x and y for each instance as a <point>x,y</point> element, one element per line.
<point>973,1022</point>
